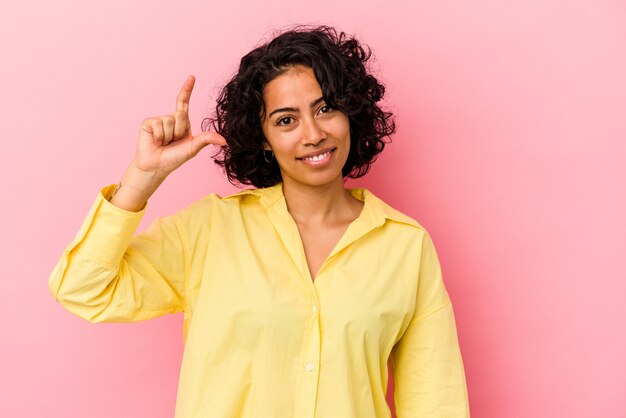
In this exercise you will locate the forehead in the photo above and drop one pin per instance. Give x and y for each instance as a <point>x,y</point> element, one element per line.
<point>295,83</point>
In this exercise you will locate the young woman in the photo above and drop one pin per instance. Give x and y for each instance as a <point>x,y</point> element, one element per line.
<point>296,293</point>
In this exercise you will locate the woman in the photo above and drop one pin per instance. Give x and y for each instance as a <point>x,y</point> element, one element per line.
<point>297,293</point>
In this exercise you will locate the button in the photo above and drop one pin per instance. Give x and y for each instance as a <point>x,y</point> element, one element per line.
<point>314,308</point>
<point>309,367</point>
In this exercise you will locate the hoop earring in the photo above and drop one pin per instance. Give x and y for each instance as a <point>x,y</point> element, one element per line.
<point>265,151</point>
<point>265,156</point>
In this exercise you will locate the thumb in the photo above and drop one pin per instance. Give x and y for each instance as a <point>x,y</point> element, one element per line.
<point>205,138</point>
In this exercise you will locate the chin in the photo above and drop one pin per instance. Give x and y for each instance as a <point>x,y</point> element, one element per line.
<point>314,176</point>
<point>315,179</point>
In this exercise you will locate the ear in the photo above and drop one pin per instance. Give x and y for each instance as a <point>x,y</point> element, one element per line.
<point>266,146</point>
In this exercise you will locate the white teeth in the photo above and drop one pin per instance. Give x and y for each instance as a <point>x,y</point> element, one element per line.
<point>318,157</point>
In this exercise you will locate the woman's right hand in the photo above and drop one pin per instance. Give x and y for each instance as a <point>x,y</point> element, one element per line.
<point>166,142</point>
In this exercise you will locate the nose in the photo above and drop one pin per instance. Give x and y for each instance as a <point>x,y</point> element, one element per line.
<point>312,133</point>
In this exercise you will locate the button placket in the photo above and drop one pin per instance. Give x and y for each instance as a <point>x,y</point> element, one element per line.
<point>310,362</point>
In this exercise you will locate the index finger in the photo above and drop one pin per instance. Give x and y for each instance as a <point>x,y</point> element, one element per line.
<point>182,101</point>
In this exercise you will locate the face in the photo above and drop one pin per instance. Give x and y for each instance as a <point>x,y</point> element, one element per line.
<point>310,140</point>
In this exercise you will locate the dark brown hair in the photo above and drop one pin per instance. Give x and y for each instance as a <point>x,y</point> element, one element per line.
<point>338,62</point>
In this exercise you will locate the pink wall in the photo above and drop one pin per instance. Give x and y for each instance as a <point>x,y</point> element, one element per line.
<point>511,151</point>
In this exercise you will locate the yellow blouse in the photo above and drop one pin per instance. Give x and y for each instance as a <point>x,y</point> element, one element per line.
<point>261,338</point>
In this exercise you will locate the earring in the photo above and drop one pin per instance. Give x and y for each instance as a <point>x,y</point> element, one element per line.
<point>271,158</point>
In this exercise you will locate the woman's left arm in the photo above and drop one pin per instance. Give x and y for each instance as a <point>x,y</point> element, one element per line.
<point>426,362</point>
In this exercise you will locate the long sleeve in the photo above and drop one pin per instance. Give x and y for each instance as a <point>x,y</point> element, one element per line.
<point>426,362</point>
<point>108,275</point>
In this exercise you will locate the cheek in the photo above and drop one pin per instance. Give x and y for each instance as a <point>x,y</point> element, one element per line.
<point>283,152</point>
<point>345,125</point>
<point>347,133</point>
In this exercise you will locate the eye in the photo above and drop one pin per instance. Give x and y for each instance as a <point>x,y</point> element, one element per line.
<point>328,109</point>
<point>279,121</point>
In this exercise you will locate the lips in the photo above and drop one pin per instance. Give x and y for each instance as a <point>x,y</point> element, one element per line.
<point>317,155</point>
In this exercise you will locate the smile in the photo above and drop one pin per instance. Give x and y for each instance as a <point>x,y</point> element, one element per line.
<point>318,157</point>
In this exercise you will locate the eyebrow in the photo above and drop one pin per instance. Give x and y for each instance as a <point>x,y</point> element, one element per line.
<point>295,109</point>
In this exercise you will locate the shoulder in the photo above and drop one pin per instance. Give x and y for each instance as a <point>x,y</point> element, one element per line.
<point>392,214</point>
<point>199,216</point>
<point>213,202</point>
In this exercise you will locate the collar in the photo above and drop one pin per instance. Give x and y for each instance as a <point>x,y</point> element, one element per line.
<point>374,214</point>
<point>375,210</point>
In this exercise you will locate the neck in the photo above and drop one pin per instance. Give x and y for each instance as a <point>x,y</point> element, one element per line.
<point>318,205</point>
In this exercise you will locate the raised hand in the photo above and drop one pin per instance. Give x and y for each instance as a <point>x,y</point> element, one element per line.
<point>166,142</point>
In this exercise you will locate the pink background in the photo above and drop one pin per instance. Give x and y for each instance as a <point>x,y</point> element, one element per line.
<point>511,151</point>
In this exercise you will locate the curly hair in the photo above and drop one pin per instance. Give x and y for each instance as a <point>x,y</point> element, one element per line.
<point>338,62</point>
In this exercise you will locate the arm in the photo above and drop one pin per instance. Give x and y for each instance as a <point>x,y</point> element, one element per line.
<point>107,275</point>
<point>426,362</point>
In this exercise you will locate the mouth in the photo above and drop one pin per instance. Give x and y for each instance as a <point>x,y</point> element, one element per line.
<point>318,158</point>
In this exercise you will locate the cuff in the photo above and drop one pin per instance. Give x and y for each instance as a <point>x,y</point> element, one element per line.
<point>107,230</point>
